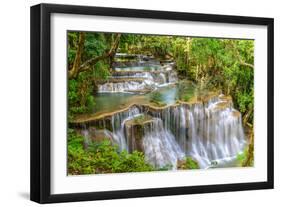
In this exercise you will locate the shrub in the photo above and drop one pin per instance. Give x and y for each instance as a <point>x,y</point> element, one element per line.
<point>185,90</point>
<point>189,163</point>
<point>101,157</point>
<point>246,158</point>
<point>157,98</point>
<point>80,98</point>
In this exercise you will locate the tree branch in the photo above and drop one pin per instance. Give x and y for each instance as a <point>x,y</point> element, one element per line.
<point>87,64</point>
<point>246,64</point>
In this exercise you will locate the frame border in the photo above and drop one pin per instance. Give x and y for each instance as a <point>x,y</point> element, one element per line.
<point>41,95</point>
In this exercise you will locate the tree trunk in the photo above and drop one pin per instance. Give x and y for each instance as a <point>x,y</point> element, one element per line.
<point>247,116</point>
<point>77,61</point>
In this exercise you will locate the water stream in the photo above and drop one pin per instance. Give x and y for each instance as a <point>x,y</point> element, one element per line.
<point>209,131</point>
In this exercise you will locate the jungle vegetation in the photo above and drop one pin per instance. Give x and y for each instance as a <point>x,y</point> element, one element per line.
<point>213,63</point>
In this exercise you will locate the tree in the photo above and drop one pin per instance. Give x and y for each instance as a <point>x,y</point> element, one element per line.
<point>88,64</point>
<point>77,61</point>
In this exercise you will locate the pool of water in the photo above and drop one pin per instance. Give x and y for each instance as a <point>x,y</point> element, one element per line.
<point>109,102</point>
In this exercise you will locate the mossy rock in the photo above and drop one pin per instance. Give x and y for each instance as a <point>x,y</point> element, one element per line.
<point>139,120</point>
<point>100,135</point>
<point>134,130</point>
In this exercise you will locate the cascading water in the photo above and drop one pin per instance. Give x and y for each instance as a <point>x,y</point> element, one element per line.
<point>152,75</point>
<point>85,133</point>
<point>160,146</point>
<point>149,81</point>
<point>127,86</point>
<point>216,133</point>
<point>158,143</point>
<point>209,131</point>
<point>211,134</point>
<point>118,125</point>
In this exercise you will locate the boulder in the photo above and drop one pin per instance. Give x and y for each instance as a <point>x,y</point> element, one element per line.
<point>134,131</point>
<point>99,135</point>
<point>96,135</point>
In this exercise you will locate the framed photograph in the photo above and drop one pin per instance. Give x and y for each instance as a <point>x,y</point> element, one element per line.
<point>133,103</point>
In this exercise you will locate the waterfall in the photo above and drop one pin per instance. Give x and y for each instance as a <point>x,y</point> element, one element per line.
<point>173,77</point>
<point>127,86</point>
<point>118,126</point>
<point>175,120</point>
<point>162,77</point>
<point>160,146</point>
<point>158,143</point>
<point>85,134</point>
<point>149,82</point>
<point>146,75</point>
<point>209,131</point>
<point>215,132</point>
<point>149,78</point>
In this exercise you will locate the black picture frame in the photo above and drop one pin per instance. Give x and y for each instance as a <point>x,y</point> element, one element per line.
<point>41,96</point>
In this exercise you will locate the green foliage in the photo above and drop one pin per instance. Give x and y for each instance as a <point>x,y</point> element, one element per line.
<point>101,157</point>
<point>191,164</point>
<point>165,168</point>
<point>81,89</point>
<point>225,64</point>
<point>180,51</point>
<point>159,46</point>
<point>80,98</point>
<point>90,102</point>
<point>72,38</point>
<point>130,43</point>
<point>245,100</point>
<point>139,119</point>
<point>185,91</point>
<point>244,157</point>
<point>187,164</point>
<point>214,64</point>
<point>95,45</point>
<point>156,98</point>
<point>101,71</point>
<point>72,92</point>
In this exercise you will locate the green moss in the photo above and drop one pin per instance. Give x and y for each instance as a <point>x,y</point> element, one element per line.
<point>140,120</point>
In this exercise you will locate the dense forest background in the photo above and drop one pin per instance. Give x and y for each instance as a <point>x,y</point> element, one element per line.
<point>212,63</point>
